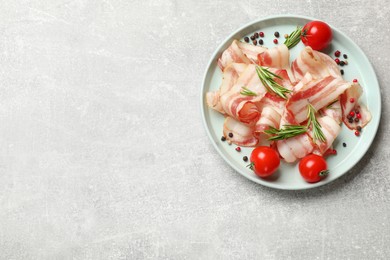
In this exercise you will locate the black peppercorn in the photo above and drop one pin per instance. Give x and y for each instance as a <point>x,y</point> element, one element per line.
<point>276,34</point>
<point>253,37</point>
<point>345,56</point>
<point>261,42</point>
<point>245,158</point>
<point>246,39</point>
<point>230,135</point>
<point>223,138</point>
<point>256,35</point>
<point>342,72</point>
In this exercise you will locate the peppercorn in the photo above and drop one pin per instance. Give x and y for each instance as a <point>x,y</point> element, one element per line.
<point>245,158</point>
<point>254,42</point>
<point>256,35</point>
<point>261,34</point>
<point>238,149</point>
<point>223,138</point>
<point>337,60</point>
<point>351,100</point>
<point>355,80</point>
<point>357,133</point>
<point>261,42</point>
<point>350,120</point>
<point>276,34</point>
<point>342,63</point>
<point>352,114</point>
<point>246,39</point>
<point>342,72</point>
<point>356,119</point>
<point>359,128</point>
<point>286,36</point>
<point>230,135</point>
<point>276,41</point>
<point>349,117</point>
<point>253,37</point>
<point>337,53</point>
<point>345,56</point>
<point>358,116</point>
<point>344,145</point>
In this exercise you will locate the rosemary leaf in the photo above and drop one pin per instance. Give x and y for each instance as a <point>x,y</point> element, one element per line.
<point>312,120</point>
<point>286,132</point>
<point>268,79</point>
<point>247,92</point>
<point>294,38</point>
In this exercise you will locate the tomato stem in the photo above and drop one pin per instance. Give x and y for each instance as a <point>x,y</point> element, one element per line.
<point>323,173</point>
<point>251,165</point>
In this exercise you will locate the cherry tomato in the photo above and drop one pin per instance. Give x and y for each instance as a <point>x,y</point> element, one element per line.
<point>313,168</point>
<point>317,35</point>
<point>264,161</point>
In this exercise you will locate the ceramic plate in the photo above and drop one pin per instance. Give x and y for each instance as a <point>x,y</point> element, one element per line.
<point>288,177</point>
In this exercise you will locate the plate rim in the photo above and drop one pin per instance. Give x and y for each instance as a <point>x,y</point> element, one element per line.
<point>255,179</point>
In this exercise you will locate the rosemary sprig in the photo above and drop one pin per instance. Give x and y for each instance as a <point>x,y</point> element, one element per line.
<point>312,120</point>
<point>286,132</point>
<point>268,79</point>
<point>294,38</point>
<point>247,92</point>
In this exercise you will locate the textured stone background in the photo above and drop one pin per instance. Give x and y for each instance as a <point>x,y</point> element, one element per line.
<point>103,154</point>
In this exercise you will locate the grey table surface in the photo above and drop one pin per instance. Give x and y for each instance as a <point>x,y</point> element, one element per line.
<point>103,154</point>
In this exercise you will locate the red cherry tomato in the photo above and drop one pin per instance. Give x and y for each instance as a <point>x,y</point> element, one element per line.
<point>313,168</point>
<point>317,35</point>
<point>264,161</point>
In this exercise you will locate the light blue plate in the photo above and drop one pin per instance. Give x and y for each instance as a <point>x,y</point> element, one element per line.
<point>288,177</point>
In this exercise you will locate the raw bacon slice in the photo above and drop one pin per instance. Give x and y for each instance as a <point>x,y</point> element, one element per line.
<point>230,76</point>
<point>243,107</point>
<point>242,133</point>
<point>277,57</point>
<point>232,54</point>
<point>212,99</point>
<point>331,130</point>
<point>318,93</point>
<point>318,64</point>
<point>347,106</point>
<point>251,51</point>
<point>303,82</point>
<point>333,110</point>
<point>295,148</point>
<point>269,118</point>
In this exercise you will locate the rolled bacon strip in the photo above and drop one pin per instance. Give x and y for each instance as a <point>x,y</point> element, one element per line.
<point>229,78</point>
<point>251,51</point>
<point>295,148</point>
<point>277,57</point>
<point>318,64</point>
<point>354,93</point>
<point>232,54</point>
<point>242,133</point>
<point>242,107</point>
